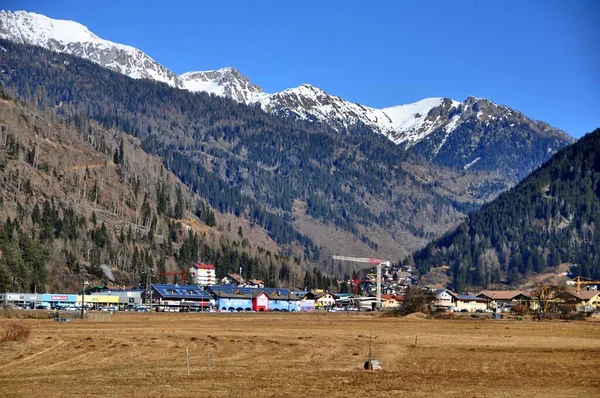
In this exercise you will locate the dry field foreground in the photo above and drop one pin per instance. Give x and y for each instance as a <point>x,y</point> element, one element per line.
<point>319,355</point>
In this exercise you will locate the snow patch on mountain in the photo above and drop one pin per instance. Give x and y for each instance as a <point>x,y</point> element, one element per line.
<point>468,165</point>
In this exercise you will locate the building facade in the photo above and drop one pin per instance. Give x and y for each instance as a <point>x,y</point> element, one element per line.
<point>444,298</point>
<point>470,303</point>
<point>203,274</point>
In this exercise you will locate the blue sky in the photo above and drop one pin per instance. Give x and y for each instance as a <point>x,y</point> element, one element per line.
<point>540,57</point>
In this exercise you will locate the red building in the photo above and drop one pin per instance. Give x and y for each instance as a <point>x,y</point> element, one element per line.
<point>260,302</point>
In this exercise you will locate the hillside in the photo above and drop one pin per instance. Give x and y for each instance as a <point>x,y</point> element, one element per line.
<point>281,174</point>
<point>76,197</point>
<point>551,217</point>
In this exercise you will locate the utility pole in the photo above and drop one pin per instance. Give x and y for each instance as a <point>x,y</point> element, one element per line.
<point>82,293</point>
<point>370,350</point>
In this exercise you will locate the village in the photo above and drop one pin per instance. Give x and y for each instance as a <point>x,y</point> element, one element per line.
<point>232,293</point>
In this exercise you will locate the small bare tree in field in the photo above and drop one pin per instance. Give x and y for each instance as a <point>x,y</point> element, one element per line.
<point>15,332</point>
<point>544,295</point>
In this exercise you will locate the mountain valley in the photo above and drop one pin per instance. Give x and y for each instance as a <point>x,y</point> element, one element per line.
<point>313,174</point>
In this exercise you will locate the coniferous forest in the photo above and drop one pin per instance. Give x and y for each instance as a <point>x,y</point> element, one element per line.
<point>76,198</point>
<point>244,161</point>
<point>551,217</point>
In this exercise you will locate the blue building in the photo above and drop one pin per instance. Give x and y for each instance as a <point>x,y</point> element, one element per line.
<point>235,298</point>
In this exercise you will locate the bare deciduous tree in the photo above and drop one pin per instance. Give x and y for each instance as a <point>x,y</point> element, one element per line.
<point>544,294</point>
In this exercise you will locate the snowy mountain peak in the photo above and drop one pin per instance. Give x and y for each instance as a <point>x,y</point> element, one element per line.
<point>225,82</point>
<point>431,122</point>
<point>32,28</point>
<point>75,39</point>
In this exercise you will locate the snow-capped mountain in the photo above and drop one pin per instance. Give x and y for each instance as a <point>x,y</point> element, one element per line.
<point>73,38</point>
<point>479,134</point>
<point>225,82</point>
<point>432,122</point>
<point>403,124</point>
<point>430,125</point>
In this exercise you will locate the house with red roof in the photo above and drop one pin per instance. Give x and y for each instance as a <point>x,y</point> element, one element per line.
<point>203,274</point>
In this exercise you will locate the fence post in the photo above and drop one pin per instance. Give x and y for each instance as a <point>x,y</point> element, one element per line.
<point>187,358</point>
<point>208,351</point>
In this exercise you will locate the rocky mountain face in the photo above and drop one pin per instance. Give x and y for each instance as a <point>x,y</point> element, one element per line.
<point>474,134</point>
<point>481,135</point>
<point>75,39</point>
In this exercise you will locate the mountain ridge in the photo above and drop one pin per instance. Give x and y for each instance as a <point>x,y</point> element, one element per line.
<point>76,39</point>
<point>406,125</point>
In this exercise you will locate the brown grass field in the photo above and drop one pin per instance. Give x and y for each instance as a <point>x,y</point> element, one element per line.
<point>300,355</point>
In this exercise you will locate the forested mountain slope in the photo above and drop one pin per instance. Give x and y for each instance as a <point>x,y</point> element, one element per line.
<point>551,217</point>
<point>283,175</point>
<point>75,196</point>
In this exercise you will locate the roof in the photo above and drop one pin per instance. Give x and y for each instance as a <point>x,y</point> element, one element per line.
<point>273,293</point>
<point>236,295</point>
<point>187,292</point>
<point>584,294</point>
<point>468,297</point>
<point>203,266</point>
<point>502,294</point>
<point>234,277</point>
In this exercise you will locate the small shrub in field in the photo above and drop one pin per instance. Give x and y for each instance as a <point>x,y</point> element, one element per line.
<point>7,312</point>
<point>15,332</point>
<point>520,309</point>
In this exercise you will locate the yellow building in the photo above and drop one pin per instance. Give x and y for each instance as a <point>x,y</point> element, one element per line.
<point>389,301</point>
<point>470,303</point>
<point>98,300</point>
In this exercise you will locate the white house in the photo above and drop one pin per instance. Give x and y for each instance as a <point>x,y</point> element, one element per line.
<point>324,300</point>
<point>203,274</point>
<point>444,298</point>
